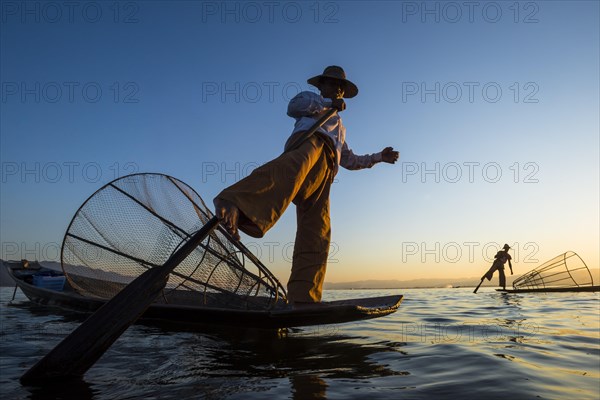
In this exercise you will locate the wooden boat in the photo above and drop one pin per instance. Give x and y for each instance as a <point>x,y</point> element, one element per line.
<point>179,313</point>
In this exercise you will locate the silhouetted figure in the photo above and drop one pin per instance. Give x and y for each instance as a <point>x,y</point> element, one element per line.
<point>303,175</point>
<point>500,259</point>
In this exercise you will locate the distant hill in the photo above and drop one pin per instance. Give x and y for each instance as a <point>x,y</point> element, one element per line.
<point>440,283</point>
<point>415,283</point>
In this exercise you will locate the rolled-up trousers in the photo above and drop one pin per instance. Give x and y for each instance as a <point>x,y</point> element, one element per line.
<point>302,176</point>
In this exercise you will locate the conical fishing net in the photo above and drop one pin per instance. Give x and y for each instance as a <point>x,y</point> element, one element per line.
<point>564,271</point>
<point>136,222</point>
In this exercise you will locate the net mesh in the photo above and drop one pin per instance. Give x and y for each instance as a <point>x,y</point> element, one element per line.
<point>564,271</point>
<point>136,222</point>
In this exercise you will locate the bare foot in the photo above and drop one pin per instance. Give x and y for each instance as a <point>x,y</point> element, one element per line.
<point>228,215</point>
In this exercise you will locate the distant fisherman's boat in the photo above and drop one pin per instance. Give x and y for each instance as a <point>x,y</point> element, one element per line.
<point>564,273</point>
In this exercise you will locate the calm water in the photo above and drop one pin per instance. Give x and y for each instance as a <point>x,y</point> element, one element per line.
<point>442,343</point>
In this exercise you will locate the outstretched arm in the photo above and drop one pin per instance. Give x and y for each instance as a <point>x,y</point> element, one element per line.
<point>351,161</point>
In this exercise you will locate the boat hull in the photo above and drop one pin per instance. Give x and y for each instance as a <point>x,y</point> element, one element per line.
<point>186,316</point>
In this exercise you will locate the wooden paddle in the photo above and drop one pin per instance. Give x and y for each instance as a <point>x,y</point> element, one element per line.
<point>72,357</point>
<point>477,288</point>
<point>306,135</point>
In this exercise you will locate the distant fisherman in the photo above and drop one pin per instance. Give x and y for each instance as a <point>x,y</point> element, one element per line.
<point>501,258</point>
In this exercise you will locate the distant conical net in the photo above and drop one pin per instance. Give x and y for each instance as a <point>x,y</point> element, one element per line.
<point>136,222</point>
<point>567,270</point>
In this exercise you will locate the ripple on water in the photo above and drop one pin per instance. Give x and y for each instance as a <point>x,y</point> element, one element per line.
<point>444,343</point>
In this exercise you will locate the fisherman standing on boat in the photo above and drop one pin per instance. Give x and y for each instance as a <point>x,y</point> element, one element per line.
<point>501,258</point>
<point>303,175</point>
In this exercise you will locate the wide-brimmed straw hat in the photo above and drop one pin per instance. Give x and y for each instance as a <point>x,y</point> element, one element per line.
<point>506,247</point>
<point>335,72</point>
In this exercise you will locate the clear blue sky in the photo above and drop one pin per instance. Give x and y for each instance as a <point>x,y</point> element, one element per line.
<point>497,100</point>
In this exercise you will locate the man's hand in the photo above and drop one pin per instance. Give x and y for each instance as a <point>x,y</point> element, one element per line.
<point>389,155</point>
<point>338,104</point>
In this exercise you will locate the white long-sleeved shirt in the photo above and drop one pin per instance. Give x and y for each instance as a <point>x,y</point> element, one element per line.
<point>307,108</point>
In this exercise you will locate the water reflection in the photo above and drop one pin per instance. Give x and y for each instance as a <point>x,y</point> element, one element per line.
<point>308,387</point>
<point>508,299</point>
<point>265,353</point>
<point>307,357</point>
<point>218,360</point>
<point>442,344</point>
